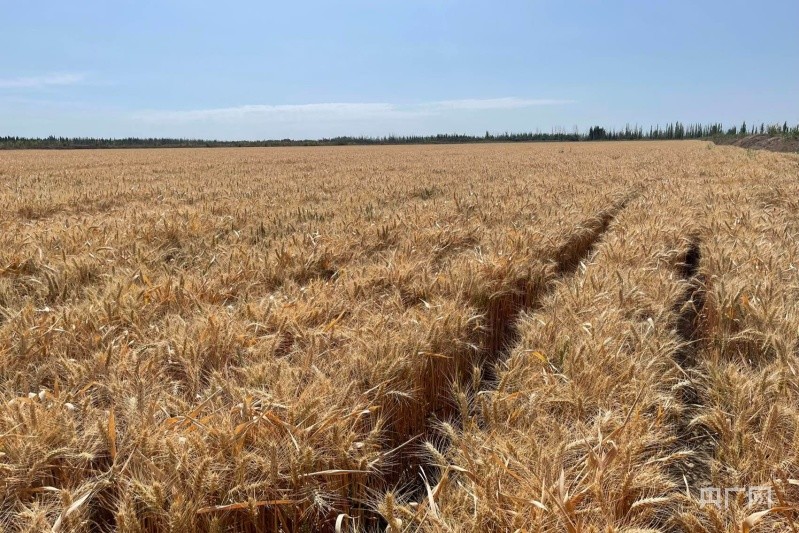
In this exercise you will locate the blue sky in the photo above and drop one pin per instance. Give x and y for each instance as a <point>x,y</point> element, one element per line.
<point>252,70</point>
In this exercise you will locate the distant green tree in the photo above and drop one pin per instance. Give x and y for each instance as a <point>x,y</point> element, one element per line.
<point>596,133</point>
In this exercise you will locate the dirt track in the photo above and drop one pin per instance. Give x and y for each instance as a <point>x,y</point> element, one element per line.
<point>763,142</point>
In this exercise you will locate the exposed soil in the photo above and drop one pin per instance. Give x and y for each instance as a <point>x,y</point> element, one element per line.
<point>763,142</point>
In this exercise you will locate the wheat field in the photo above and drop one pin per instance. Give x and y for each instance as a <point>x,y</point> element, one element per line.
<point>535,337</point>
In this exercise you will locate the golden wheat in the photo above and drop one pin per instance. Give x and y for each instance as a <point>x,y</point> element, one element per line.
<point>540,337</point>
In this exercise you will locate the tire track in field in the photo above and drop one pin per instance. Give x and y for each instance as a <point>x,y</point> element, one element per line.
<point>502,312</point>
<point>501,334</point>
<point>693,471</point>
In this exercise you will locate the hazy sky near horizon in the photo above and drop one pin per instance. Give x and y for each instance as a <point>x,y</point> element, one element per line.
<point>257,70</point>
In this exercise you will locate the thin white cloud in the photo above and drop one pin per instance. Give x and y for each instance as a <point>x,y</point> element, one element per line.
<point>332,111</point>
<point>27,114</point>
<point>342,111</point>
<point>496,103</point>
<point>38,82</point>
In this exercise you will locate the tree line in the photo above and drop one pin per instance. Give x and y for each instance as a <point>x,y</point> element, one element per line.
<point>675,130</point>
